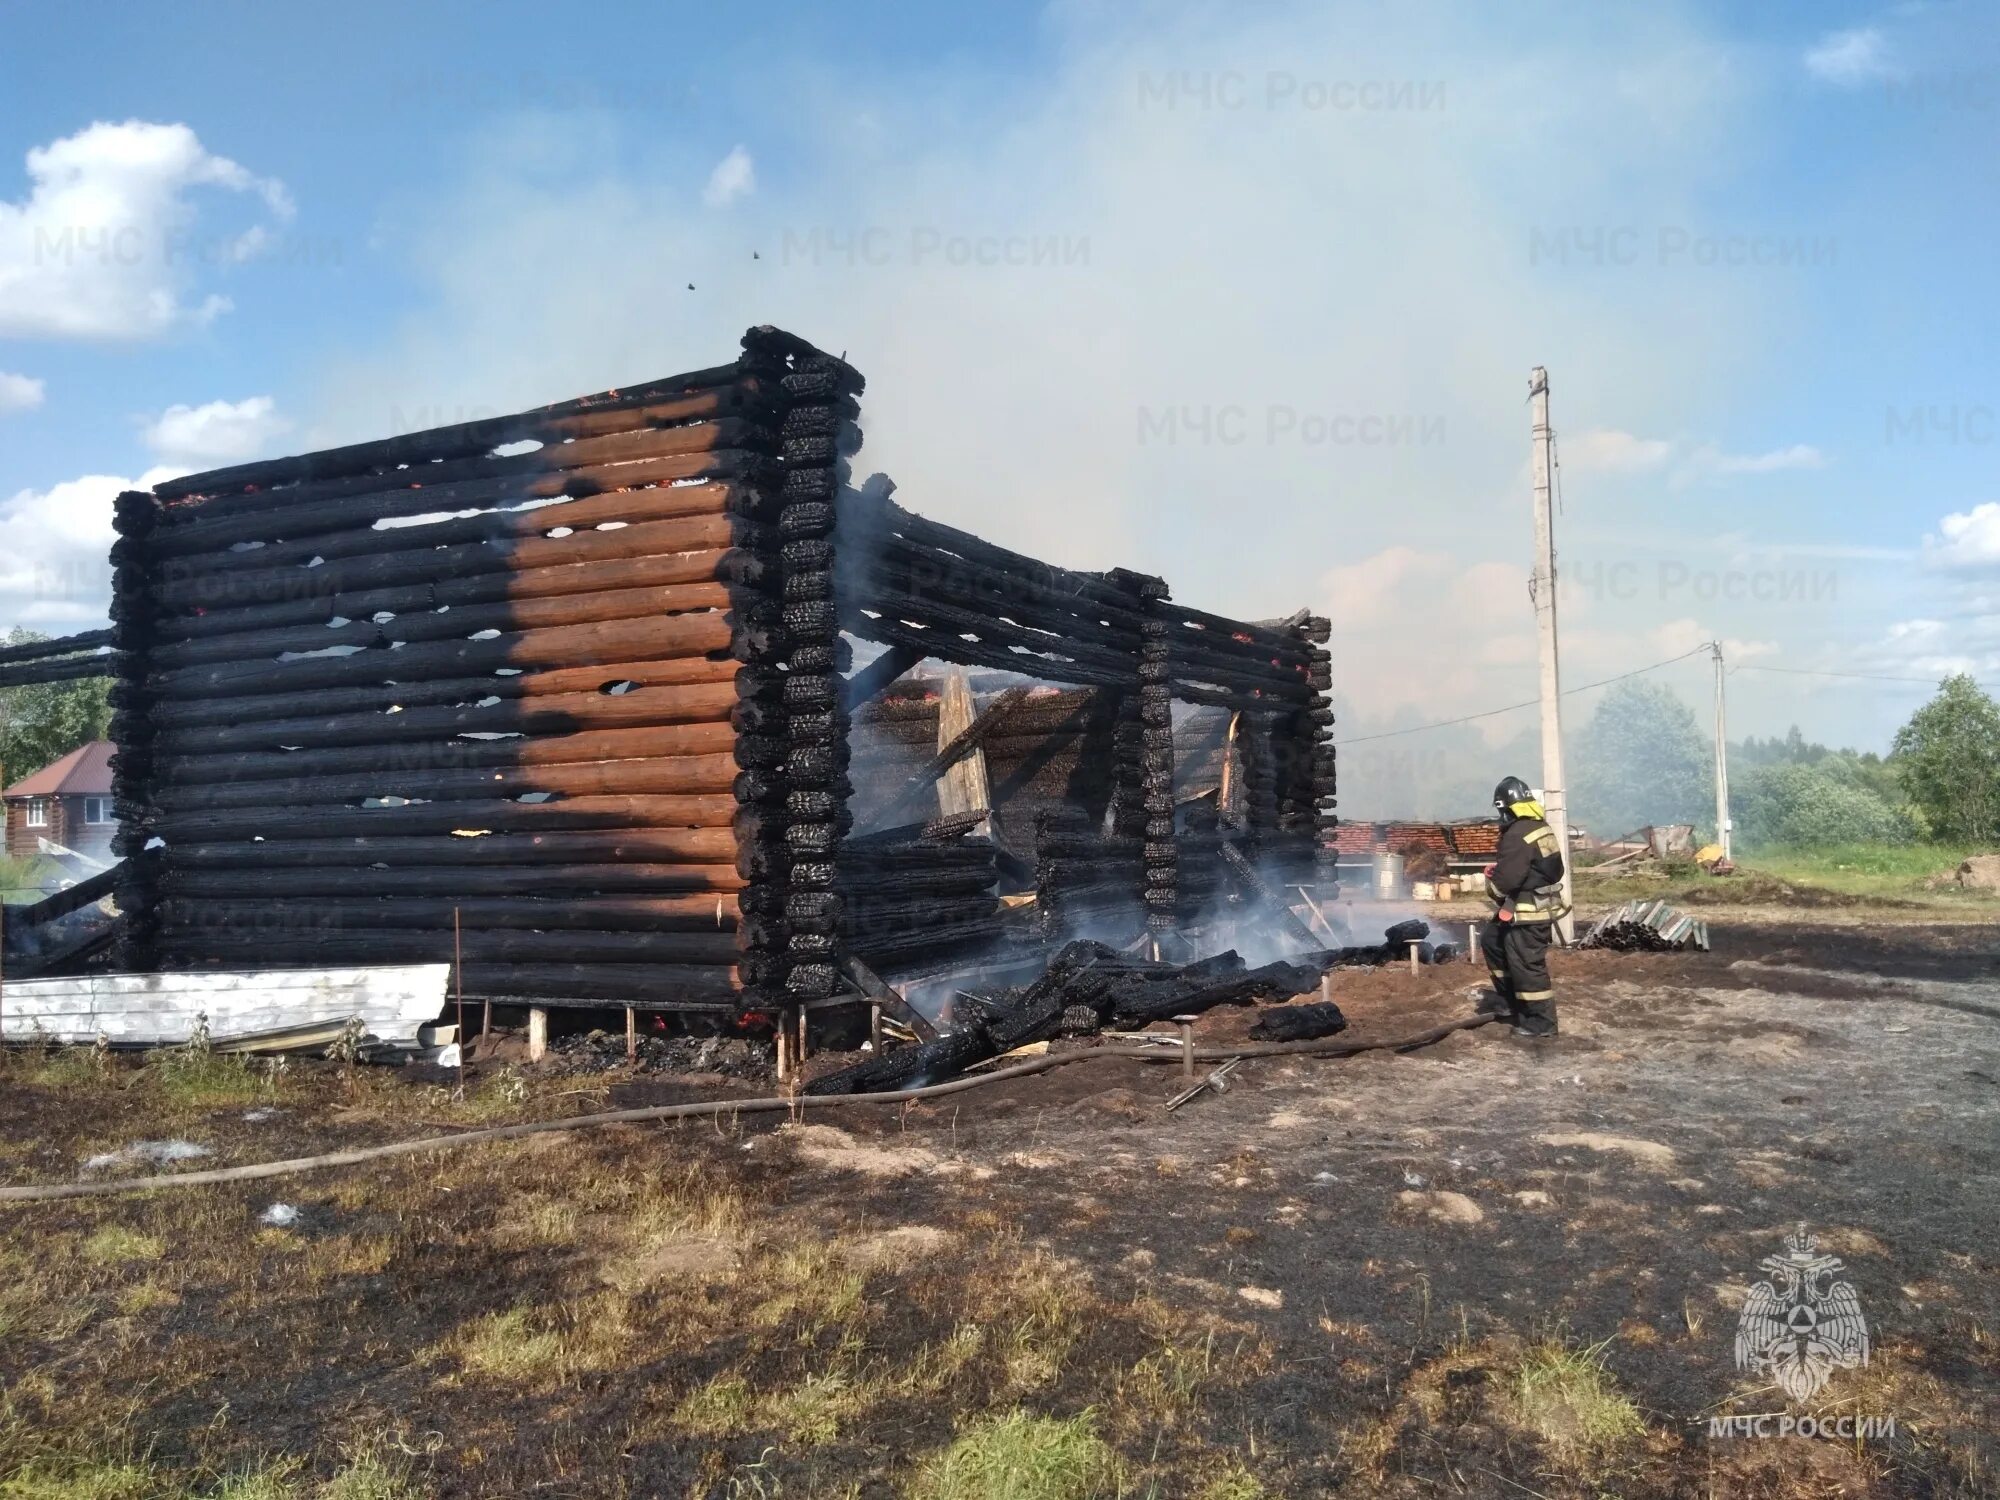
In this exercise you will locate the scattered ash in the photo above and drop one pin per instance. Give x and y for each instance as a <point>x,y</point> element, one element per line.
<point>603,1051</point>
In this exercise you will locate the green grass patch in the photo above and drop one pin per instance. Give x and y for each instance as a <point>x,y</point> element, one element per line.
<point>1563,1393</point>
<point>1023,1457</point>
<point>1870,869</point>
<point>204,1080</point>
<point>1913,876</point>
<point>115,1245</point>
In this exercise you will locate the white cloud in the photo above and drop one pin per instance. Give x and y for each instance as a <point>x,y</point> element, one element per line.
<point>216,433</point>
<point>1967,539</point>
<point>20,392</point>
<point>735,176</point>
<point>107,246</point>
<point>1608,451</point>
<point>1850,58</point>
<point>1776,460</point>
<point>55,544</point>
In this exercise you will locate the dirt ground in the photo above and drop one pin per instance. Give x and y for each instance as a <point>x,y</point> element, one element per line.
<point>1485,1268</point>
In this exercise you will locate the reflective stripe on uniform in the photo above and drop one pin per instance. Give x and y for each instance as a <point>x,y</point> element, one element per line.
<point>1530,996</point>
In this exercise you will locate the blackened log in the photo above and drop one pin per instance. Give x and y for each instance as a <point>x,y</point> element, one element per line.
<point>475,438</point>
<point>678,775</point>
<point>444,755</point>
<point>67,645</point>
<point>686,601</point>
<point>703,515</point>
<point>597,561</point>
<point>680,671</point>
<point>672,454</point>
<point>562,646</point>
<point>909,1067</point>
<point>691,721</point>
<point>704,888</point>
<point>1299,1023</point>
<point>872,679</point>
<point>694,850</point>
<point>697,826</point>
<point>65,669</point>
<point>402,923</point>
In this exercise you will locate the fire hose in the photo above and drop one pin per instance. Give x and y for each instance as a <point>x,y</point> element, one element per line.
<point>770,1105</point>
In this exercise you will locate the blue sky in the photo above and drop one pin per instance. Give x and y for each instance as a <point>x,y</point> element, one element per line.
<point>1246,295</point>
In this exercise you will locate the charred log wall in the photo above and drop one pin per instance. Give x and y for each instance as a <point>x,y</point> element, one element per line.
<point>565,678</point>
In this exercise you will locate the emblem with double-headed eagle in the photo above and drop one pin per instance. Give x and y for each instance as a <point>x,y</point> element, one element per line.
<point>1801,1325</point>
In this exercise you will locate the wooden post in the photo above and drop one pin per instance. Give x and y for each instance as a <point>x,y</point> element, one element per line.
<point>784,1049</point>
<point>805,1046</point>
<point>486,1020</point>
<point>875,1026</point>
<point>1186,1024</point>
<point>538,1032</point>
<point>1413,960</point>
<point>963,787</point>
<point>631,1035</point>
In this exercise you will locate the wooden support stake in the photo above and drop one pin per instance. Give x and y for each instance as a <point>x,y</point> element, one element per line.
<point>1413,960</point>
<point>875,1027</point>
<point>1186,1024</point>
<point>805,1045</point>
<point>538,1033</point>
<point>486,1020</point>
<point>631,1035</point>
<point>872,985</point>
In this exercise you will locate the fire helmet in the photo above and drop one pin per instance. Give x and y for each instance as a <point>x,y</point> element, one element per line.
<point>1510,791</point>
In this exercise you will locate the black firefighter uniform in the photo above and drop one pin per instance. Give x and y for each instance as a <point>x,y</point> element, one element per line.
<point>1526,883</point>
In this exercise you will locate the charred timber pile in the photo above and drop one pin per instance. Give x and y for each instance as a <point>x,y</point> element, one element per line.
<point>1087,986</point>
<point>565,678</point>
<point>917,902</point>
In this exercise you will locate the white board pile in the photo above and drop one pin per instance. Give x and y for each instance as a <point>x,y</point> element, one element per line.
<point>159,1010</point>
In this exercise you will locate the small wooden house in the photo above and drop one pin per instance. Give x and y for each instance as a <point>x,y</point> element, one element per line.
<point>67,803</point>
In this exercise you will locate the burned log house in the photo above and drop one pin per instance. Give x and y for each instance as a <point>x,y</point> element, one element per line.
<point>572,695</point>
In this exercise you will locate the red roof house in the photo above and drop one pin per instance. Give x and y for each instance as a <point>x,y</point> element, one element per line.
<point>67,803</point>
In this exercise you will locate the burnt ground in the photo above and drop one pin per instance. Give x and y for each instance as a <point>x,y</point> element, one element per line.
<point>1341,1277</point>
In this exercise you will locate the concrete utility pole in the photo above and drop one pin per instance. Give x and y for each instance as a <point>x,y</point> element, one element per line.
<point>1721,756</point>
<point>1542,589</point>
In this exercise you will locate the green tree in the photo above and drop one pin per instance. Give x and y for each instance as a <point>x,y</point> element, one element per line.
<point>1641,759</point>
<point>44,721</point>
<point>1948,757</point>
<point>1815,804</point>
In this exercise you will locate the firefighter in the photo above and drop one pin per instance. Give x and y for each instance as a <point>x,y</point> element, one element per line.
<point>1525,883</point>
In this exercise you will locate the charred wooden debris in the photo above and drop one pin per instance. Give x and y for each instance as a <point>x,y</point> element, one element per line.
<point>570,699</point>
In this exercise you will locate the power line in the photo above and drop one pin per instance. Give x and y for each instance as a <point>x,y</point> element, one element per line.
<point>1514,707</point>
<point>1816,672</point>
